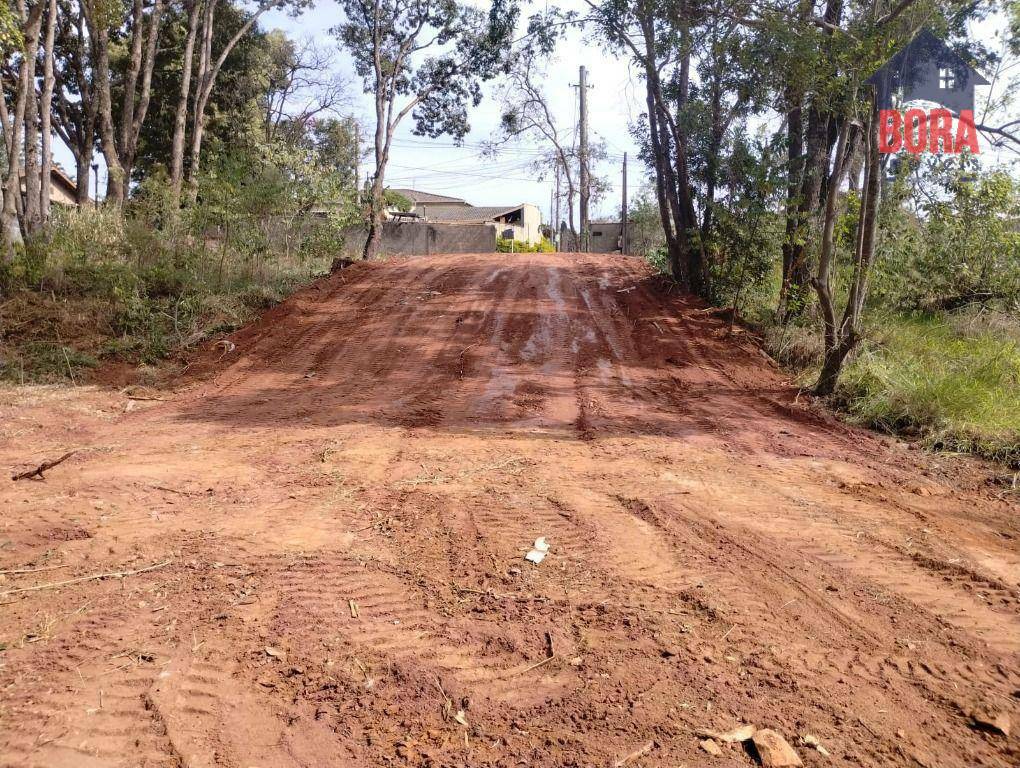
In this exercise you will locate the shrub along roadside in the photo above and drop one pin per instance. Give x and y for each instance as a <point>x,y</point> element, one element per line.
<point>506,245</point>
<point>95,288</point>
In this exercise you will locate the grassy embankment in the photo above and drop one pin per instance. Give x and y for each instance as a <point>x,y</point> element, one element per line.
<point>98,289</point>
<point>951,380</point>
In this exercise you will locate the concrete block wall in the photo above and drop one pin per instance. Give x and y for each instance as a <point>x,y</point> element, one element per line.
<point>413,238</point>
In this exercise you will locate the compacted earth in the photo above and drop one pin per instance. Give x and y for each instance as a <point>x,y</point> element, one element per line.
<point>310,549</point>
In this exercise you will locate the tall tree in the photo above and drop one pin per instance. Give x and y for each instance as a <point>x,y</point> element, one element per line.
<point>236,106</point>
<point>29,24</point>
<point>210,64</point>
<point>527,113</point>
<point>46,111</point>
<point>303,86</point>
<point>75,107</point>
<point>194,8</point>
<point>119,130</point>
<point>138,81</point>
<point>424,58</point>
<point>99,21</point>
<point>659,38</point>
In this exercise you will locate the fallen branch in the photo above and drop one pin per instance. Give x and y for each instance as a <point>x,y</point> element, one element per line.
<point>31,570</point>
<point>93,577</point>
<point>635,755</point>
<point>498,596</point>
<point>537,664</point>
<point>46,465</point>
<point>168,489</point>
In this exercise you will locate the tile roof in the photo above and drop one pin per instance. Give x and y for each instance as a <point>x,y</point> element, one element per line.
<point>470,213</point>
<point>418,196</point>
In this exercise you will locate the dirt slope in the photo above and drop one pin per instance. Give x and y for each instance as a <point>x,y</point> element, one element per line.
<point>346,499</point>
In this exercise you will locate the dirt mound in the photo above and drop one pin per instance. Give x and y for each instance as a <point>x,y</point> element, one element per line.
<point>346,492</point>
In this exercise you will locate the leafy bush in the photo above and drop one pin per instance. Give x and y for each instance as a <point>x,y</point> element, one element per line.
<point>659,259</point>
<point>46,361</point>
<point>508,245</point>
<point>110,280</point>
<point>958,243</point>
<point>394,199</point>
<point>146,285</point>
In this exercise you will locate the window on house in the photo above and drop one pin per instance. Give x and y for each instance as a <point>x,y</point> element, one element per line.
<point>596,233</point>
<point>947,79</point>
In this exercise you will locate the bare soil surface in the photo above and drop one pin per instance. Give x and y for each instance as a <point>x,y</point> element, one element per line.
<point>321,537</point>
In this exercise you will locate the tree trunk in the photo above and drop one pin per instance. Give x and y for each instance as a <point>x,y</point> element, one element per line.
<point>83,177</point>
<point>45,110</point>
<point>383,134</point>
<point>815,167</point>
<point>181,115</point>
<point>832,366</point>
<point>375,220</point>
<point>135,109</point>
<point>208,70</point>
<point>10,226</point>
<point>844,338</point>
<point>794,180</point>
<point>815,173</point>
<point>134,67</point>
<point>33,212</point>
<point>198,106</point>
<point>99,35</point>
<point>383,131</point>
<point>697,268</point>
<point>74,118</point>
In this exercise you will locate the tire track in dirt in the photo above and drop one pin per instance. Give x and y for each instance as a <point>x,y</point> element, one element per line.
<point>830,537</point>
<point>91,709</point>
<point>388,623</point>
<point>739,583</point>
<point>215,717</point>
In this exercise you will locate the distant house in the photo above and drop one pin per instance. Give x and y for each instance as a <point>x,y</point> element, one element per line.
<point>63,191</point>
<point>927,70</point>
<point>522,221</point>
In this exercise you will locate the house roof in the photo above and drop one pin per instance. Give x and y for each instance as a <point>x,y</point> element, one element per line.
<point>58,178</point>
<point>58,173</point>
<point>468,214</point>
<point>417,196</point>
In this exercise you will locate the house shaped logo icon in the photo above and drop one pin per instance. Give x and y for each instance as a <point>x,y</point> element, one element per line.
<point>927,70</point>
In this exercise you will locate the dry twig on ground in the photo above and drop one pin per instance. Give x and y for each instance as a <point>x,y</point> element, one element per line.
<point>46,465</point>
<point>93,577</point>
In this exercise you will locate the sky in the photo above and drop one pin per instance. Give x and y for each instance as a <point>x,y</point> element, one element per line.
<point>437,165</point>
<point>616,99</point>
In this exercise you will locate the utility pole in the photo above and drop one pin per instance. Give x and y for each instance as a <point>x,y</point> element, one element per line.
<point>583,158</point>
<point>357,165</point>
<point>556,222</point>
<point>552,206</point>
<point>624,244</point>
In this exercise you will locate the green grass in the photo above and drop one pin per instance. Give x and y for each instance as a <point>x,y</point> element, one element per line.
<point>952,381</point>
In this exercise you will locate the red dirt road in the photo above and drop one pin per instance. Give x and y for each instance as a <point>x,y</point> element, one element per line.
<point>339,511</point>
